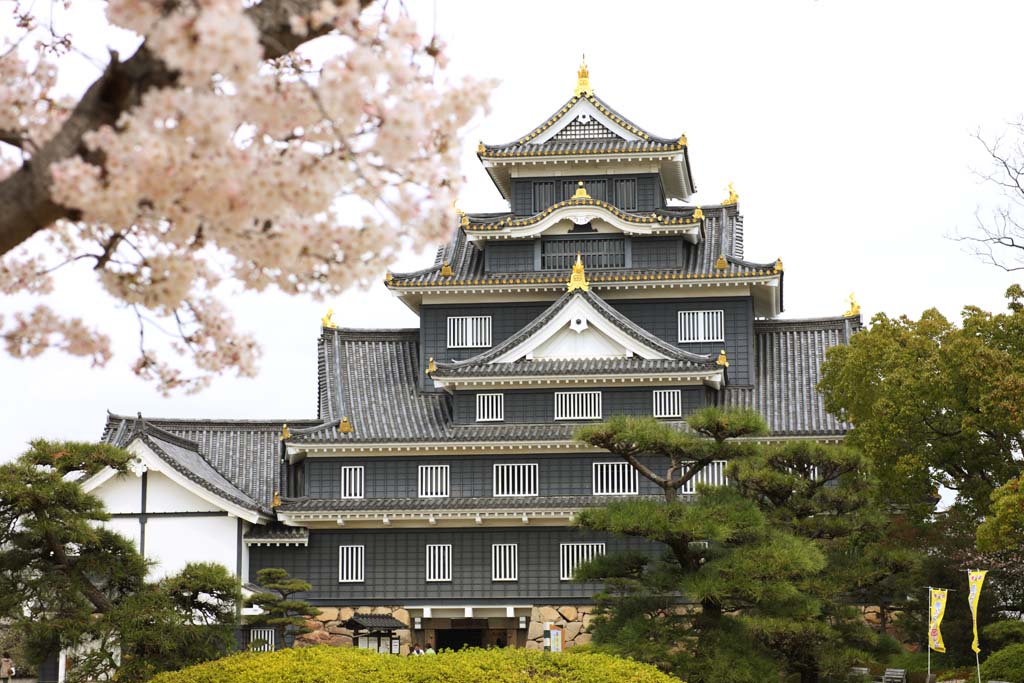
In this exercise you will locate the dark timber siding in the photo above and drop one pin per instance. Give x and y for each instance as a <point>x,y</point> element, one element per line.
<point>639,253</point>
<point>470,477</point>
<point>394,567</point>
<point>538,406</point>
<point>509,257</point>
<point>649,194</point>
<point>657,252</point>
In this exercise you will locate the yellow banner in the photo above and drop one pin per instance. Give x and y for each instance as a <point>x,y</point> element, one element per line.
<point>975,579</point>
<point>936,609</point>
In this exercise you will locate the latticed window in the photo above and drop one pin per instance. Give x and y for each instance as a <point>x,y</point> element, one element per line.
<point>350,563</point>
<point>597,188</point>
<point>434,481</point>
<point>505,562</point>
<point>572,555</point>
<point>668,403</point>
<point>439,562</point>
<point>597,252</point>
<point>469,331</point>
<point>515,480</point>
<point>584,127</point>
<point>543,195</point>
<point>625,194</point>
<point>614,479</point>
<point>351,481</point>
<point>490,407</point>
<point>713,475</point>
<point>261,640</point>
<point>577,405</point>
<point>701,326</point>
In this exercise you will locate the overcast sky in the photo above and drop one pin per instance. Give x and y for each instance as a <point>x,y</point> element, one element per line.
<point>846,127</point>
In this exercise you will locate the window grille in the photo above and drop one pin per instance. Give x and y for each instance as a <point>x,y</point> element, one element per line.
<point>713,474</point>
<point>350,563</point>
<point>504,562</point>
<point>668,403</point>
<point>596,252</point>
<point>701,326</point>
<point>584,129</point>
<point>515,480</point>
<point>439,562</point>
<point>433,481</point>
<point>352,481</point>
<point>572,555</point>
<point>625,194</point>
<point>261,639</point>
<point>614,479</point>
<point>577,405</point>
<point>469,331</point>
<point>543,195</point>
<point>490,407</point>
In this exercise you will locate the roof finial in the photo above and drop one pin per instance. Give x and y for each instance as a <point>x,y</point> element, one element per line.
<point>723,361</point>
<point>733,198</point>
<point>578,279</point>
<point>583,79</point>
<point>431,366</point>
<point>854,307</point>
<point>285,433</point>
<point>326,320</point>
<point>581,191</point>
<point>344,427</point>
<point>276,503</point>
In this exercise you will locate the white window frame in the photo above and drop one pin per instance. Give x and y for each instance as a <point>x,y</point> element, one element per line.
<point>352,474</point>
<point>571,555</point>
<point>667,403</point>
<point>439,562</point>
<point>621,474</point>
<point>505,562</point>
<point>578,405</point>
<point>713,474</point>
<point>701,326</point>
<point>469,331</point>
<point>521,478</point>
<point>490,407</point>
<point>267,635</point>
<point>351,563</point>
<point>433,481</point>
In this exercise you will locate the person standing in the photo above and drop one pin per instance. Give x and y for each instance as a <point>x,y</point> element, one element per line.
<point>430,649</point>
<point>6,668</point>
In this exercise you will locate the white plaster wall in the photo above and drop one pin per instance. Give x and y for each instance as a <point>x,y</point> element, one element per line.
<point>173,542</point>
<point>164,495</point>
<point>121,493</point>
<point>590,343</point>
<point>126,526</point>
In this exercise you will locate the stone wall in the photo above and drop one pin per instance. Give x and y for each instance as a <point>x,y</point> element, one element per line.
<point>327,628</point>
<point>574,620</point>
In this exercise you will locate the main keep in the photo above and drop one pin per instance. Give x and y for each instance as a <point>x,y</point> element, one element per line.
<point>432,498</point>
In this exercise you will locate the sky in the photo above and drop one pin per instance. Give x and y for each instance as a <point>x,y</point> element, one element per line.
<point>846,127</point>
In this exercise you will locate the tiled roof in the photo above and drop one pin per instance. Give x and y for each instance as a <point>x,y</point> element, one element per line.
<point>667,217</point>
<point>582,367</point>
<point>277,533</point>
<point>787,368</point>
<point>245,452</point>
<point>439,504</point>
<point>375,622</point>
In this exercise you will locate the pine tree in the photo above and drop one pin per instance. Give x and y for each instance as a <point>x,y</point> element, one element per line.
<point>282,612</point>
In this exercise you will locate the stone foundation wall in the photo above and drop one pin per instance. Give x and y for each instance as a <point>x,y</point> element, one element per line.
<point>574,620</point>
<point>327,628</point>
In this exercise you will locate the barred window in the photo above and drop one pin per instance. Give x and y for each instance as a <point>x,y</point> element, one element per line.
<point>596,252</point>
<point>713,475</point>
<point>261,639</point>
<point>668,403</point>
<point>352,481</point>
<point>469,331</point>
<point>701,326</point>
<point>614,479</point>
<point>515,480</point>
<point>572,555</point>
<point>504,562</point>
<point>625,194</point>
<point>350,563</point>
<point>439,562</point>
<point>490,407</point>
<point>577,405</point>
<point>543,195</point>
<point>433,481</point>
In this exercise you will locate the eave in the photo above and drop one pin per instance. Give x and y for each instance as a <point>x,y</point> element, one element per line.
<point>433,518</point>
<point>713,379</point>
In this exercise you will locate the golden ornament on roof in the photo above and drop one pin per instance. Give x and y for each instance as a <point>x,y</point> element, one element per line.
<point>583,79</point>
<point>276,503</point>
<point>431,366</point>
<point>721,263</point>
<point>733,198</point>
<point>285,434</point>
<point>326,320</point>
<point>388,277</point>
<point>345,427</point>
<point>778,265</point>
<point>578,279</point>
<point>722,361</point>
<point>698,215</point>
<point>854,307</point>
<point>581,192</point>
<point>446,270</point>
<point>480,149</point>
<point>682,140</point>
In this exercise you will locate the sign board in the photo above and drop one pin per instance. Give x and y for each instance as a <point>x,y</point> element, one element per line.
<point>552,637</point>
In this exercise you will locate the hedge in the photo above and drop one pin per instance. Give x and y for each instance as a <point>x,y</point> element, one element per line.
<point>325,664</point>
<point>1005,665</point>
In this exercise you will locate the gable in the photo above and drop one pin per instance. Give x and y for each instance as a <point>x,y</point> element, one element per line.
<point>584,115</point>
<point>579,340</point>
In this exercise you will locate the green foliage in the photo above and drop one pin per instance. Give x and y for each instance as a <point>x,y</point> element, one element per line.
<point>350,665</point>
<point>721,424</point>
<point>1005,665</point>
<point>1003,528</point>
<point>286,614</point>
<point>1002,634</point>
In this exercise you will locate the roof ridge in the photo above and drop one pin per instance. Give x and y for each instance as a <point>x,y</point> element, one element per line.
<point>276,422</point>
<point>369,332</point>
<point>809,322</point>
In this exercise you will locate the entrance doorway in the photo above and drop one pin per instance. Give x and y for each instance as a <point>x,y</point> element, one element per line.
<point>458,638</point>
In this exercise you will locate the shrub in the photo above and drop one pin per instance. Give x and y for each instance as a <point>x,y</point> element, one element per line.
<point>325,664</point>
<point>1005,665</point>
<point>1002,634</point>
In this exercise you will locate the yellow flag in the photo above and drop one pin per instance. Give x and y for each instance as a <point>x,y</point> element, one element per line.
<point>936,609</point>
<point>975,579</point>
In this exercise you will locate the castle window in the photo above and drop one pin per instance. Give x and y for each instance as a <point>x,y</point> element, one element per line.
<point>712,475</point>
<point>614,479</point>
<point>261,639</point>
<point>439,562</point>
<point>505,562</point>
<point>515,480</point>
<point>668,403</point>
<point>701,326</point>
<point>572,555</point>
<point>469,331</point>
<point>625,194</point>
<point>543,195</point>
<point>490,407</point>
<point>433,481</point>
<point>352,481</point>
<point>350,563</point>
<point>577,405</point>
<point>596,252</point>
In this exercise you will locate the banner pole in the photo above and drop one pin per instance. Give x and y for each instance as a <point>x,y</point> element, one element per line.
<point>977,663</point>
<point>928,638</point>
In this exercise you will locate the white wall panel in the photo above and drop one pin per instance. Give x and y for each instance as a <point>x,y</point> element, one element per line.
<point>121,493</point>
<point>164,495</point>
<point>126,526</point>
<point>173,542</point>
